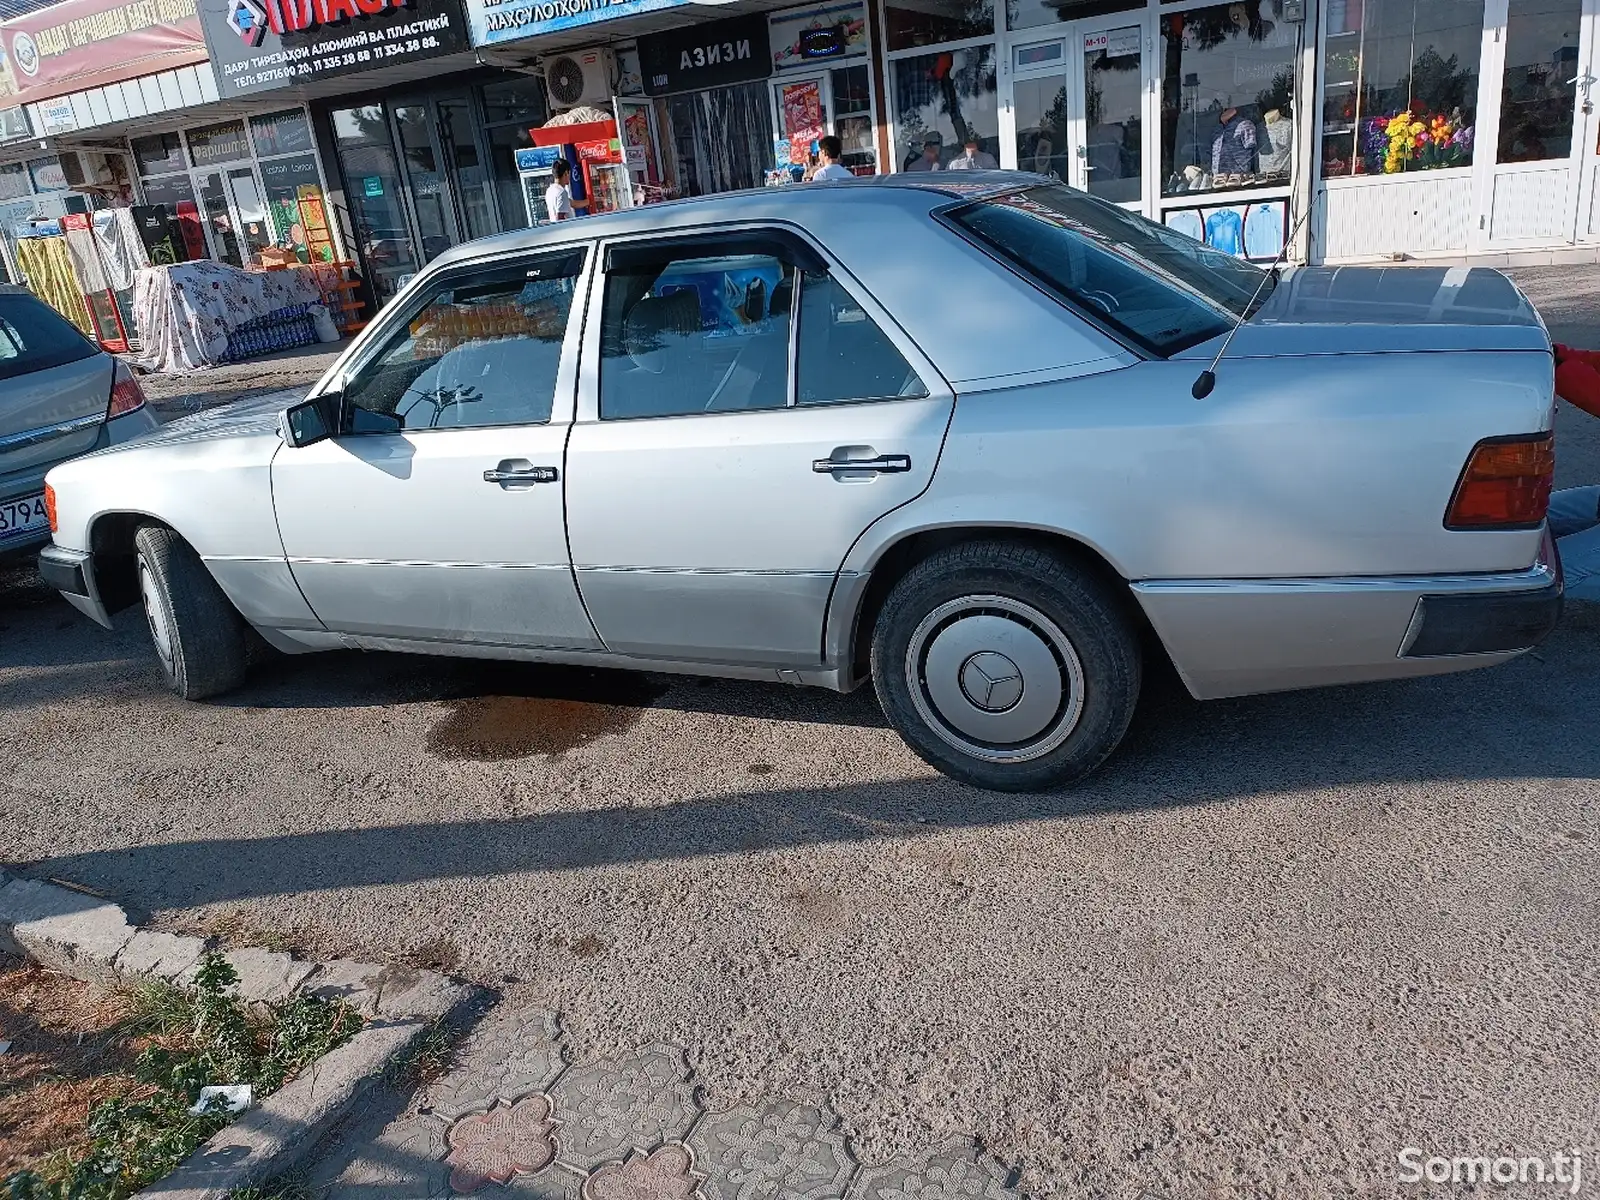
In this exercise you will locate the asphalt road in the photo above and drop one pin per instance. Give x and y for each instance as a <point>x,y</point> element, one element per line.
<point>1276,942</point>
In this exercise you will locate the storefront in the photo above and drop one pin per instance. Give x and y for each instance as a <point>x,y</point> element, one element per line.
<point>237,188</point>
<point>1183,113</point>
<point>1453,127</point>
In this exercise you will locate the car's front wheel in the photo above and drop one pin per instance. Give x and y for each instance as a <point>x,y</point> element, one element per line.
<point>1006,666</point>
<point>198,635</point>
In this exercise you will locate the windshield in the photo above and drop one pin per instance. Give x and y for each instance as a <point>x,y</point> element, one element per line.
<point>1164,291</point>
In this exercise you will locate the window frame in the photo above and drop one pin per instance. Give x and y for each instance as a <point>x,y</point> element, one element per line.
<point>663,242</point>
<point>419,293</point>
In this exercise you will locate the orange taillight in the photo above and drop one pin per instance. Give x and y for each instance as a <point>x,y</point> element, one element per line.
<point>50,505</point>
<point>1506,484</point>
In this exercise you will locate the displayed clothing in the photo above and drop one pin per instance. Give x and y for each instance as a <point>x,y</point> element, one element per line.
<point>1187,222</point>
<point>1233,146</point>
<point>1263,230</point>
<point>187,313</point>
<point>1275,147</point>
<point>48,268</point>
<point>1225,231</point>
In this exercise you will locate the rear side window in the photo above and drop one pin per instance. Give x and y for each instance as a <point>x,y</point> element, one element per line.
<point>1163,291</point>
<point>844,355</point>
<point>34,337</point>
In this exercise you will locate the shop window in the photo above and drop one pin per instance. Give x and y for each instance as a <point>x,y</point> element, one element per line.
<point>281,133</point>
<point>521,100</point>
<point>933,21</point>
<point>842,353</point>
<point>1540,84</point>
<point>483,351</point>
<point>372,188</point>
<point>939,101</point>
<point>1028,14</point>
<point>13,181</point>
<point>212,144</point>
<point>296,207</point>
<point>723,137</point>
<point>158,154</point>
<point>852,120</point>
<point>696,334</point>
<point>1227,86</point>
<point>1400,85</point>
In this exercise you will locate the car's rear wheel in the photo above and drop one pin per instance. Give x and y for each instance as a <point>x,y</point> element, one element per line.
<point>1006,666</point>
<point>198,635</point>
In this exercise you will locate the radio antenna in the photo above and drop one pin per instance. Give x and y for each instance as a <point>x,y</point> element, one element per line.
<point>1208,378</point>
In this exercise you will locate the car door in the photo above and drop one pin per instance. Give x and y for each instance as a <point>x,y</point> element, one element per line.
<point>713,491</point>
<point>436,514</point>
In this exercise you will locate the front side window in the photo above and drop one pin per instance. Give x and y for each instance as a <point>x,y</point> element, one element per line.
<point>1162,290</point>
<point>1227,91</point>
<point>483,350</point>
<point>695,332</point>
<point>1400,85</point>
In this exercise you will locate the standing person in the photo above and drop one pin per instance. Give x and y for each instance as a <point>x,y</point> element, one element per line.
<point>830,150</point>
<point>973,157</point>
<point>1575,512</point>
<point>932,146</point>
<point>558,196</point>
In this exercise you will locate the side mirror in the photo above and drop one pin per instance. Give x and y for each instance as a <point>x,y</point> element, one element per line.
<point>308,423</point>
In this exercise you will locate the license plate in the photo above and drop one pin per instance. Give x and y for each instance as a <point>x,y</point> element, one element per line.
<point>22,518</point>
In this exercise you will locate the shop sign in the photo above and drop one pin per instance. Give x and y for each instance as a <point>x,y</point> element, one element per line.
<point>48,175</point>
<point>14,124</point>
<point>89,43</point>
<point>737,50</point>
<point>802,118</point>
<point>215,144</point>
<point>372,185</point>
<point>258,45</point>
<point>818,34</point>
<point>497,21</point>
<point>56,116</point>
<point>1115,42</point>
<point>537,158</point>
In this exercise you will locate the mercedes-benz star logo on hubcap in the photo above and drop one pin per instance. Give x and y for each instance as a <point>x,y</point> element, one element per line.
<point>991,681</point>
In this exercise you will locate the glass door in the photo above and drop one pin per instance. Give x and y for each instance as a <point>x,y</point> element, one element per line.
<point>250,212</point>
<point>1077,109</point>
<point>1587,84</point>
<point>1108,134</point>
<point>424,166</point>
<point>467,162</point>
<point>217,217</point>
<point>383,232</point>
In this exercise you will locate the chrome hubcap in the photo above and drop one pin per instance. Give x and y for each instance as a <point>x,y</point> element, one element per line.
<point>156,616</point>
<point>995,678</point>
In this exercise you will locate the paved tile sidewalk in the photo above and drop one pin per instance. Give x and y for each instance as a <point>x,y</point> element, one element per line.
<point>513,1118</point>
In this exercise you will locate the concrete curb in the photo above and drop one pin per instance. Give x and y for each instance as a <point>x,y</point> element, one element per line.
<point>91,939</point>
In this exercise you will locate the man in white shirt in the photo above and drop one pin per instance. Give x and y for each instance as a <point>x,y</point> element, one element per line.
<point>830,150</point>
<point>558,196</point>
<point>973,157</point>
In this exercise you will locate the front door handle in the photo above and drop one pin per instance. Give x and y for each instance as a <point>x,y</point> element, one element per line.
<point>884,464</point>
<point>513,471</point>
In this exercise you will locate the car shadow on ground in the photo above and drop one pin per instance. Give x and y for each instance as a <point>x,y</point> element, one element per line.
<point>1513,722</point>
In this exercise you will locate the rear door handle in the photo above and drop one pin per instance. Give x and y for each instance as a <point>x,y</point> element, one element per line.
<point>518,471</point>
<point>884,464</point>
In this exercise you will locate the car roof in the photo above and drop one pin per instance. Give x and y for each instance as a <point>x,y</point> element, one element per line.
<point>809,204</point>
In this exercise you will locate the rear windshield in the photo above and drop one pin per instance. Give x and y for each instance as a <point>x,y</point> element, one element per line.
<point>1162,290</point>
<point>34,337</point>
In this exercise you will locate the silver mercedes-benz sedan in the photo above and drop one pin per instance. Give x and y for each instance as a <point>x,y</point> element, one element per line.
<point>943,434</point>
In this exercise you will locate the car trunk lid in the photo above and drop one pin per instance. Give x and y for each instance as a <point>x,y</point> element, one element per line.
<point>1354,310</point>
<point>55,413</point>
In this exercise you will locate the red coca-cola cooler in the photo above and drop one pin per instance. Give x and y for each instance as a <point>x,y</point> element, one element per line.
<point>599,171</point>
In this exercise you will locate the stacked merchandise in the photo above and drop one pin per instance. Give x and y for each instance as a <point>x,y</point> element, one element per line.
<point>201,313</point>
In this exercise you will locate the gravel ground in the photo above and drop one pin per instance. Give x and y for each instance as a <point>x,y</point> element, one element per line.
<point>1279,940</point>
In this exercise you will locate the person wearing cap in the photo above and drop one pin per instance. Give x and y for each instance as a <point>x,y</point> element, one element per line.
<point>973,157</point>
<point>932,144</point>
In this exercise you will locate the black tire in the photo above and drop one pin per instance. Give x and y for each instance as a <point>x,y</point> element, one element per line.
<point>198,635</point>
<point>1048,645</point>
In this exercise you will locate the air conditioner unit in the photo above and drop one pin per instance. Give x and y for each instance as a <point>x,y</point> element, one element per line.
<point>580,77</point>
<point>85,169</point>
